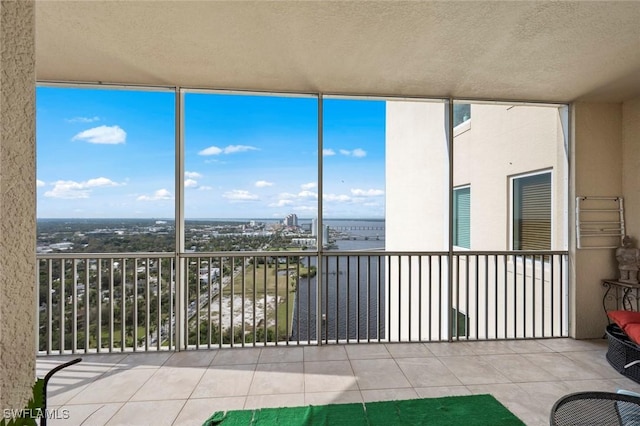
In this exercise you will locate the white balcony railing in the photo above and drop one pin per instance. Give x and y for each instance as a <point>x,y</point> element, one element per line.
<point>133,301</point>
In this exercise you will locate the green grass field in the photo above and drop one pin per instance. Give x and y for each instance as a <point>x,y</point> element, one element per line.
<point>274,281</point>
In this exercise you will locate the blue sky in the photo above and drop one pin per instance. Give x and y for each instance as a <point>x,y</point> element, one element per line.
<point>110,153</point>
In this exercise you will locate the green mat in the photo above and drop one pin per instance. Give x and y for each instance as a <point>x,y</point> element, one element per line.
<point>469,410</point>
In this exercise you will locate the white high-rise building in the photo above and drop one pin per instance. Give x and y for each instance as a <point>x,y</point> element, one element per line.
<point>291,220</point>
<point>325,234</point>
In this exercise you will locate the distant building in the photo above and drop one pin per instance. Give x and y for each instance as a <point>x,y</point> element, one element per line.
<point>325,235</point>
<point>61,246</point>
<point>207,274</point>
<point>325,231</point>
<point>291,220</point>
<point>308,242</point>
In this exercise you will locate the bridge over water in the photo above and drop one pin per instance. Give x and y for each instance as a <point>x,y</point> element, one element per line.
<point>357,228</point>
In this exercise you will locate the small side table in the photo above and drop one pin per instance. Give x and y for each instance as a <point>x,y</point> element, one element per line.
<point>626,295</point>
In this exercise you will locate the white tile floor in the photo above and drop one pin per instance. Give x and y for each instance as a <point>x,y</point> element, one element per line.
<point>184,388</point>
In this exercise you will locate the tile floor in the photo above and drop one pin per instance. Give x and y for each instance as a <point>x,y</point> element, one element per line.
<point>184,388</point>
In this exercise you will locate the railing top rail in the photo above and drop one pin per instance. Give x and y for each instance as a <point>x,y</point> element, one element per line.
<point>326,253</point>
<point>165,255</point>
<point>137,255</point>
<point>444,253</point>
<point>511,252</point>
<point>264,253</point>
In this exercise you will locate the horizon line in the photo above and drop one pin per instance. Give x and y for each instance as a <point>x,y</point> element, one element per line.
<point>203,218</point>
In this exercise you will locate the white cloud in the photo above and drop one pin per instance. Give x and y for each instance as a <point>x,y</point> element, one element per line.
<point>287,195</point>
<point>239,148</point>
<point>240,195</point>
<point>336,197</point>
<point>40,183</point>
<point>160,194</point>
<point>281,203</point>
<point>327,152</point>
<point>212,150</point>
<point>307,194</point>
<point>231,149</point>
<point>205,188</point>
<point>309,185</point>
<point>82,119</point>
<point>192,175</point>
<point>109,135</point>
<point>190,183</point>
<point>263,184</point>
<point>366,192</point>
<point>69,189</point>
<point>358,152</point>
<point>101,181</point>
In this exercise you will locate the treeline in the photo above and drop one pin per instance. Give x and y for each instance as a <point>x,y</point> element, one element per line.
<point>161,242</point>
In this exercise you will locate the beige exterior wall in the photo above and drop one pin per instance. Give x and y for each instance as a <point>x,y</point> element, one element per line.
<point>17,203</point>
<point>499,142</point>
<point>597,159</point>
<point>417,202</point>
<point>631,166</point>
<point>416,176</point>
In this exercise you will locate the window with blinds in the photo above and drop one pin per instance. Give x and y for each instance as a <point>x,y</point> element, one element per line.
<point>459,326</point>
<point>462,217</point>
<point>532,212</point>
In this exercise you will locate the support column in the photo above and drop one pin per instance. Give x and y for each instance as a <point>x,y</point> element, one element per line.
<point>597,171</point>
<point>17,202</point>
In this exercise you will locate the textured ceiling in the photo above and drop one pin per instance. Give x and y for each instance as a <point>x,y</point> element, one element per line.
<point>547,51</point>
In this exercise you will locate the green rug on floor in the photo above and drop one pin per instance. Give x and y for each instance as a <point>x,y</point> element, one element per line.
<point>472,410</point>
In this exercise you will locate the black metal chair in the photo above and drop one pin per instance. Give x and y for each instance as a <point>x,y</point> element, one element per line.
<point>596,409</point>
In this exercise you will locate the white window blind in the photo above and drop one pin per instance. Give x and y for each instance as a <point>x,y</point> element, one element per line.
<point>462,217</point>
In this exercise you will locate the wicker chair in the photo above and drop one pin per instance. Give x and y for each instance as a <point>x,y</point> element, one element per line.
<point>596,409</point>
<point>623,354</point>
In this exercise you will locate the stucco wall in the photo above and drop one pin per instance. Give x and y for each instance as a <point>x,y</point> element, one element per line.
<point>506,141</point>
<point>503,141</point>
<point>417,176</point>
<point>499,142</point>
<point>597,171</point>
<point>17,203</point>
<point>631,165</point>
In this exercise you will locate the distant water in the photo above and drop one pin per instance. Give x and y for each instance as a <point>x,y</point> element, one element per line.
<point>351,289</point>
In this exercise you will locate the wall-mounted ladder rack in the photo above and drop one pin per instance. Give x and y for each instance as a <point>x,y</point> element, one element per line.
<point>599,222</point>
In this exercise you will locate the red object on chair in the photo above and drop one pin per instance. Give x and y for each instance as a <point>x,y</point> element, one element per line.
<point>633,331</point>
<point>624,318</point>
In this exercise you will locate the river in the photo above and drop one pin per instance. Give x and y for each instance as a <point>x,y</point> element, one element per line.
<point>351,288</point>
